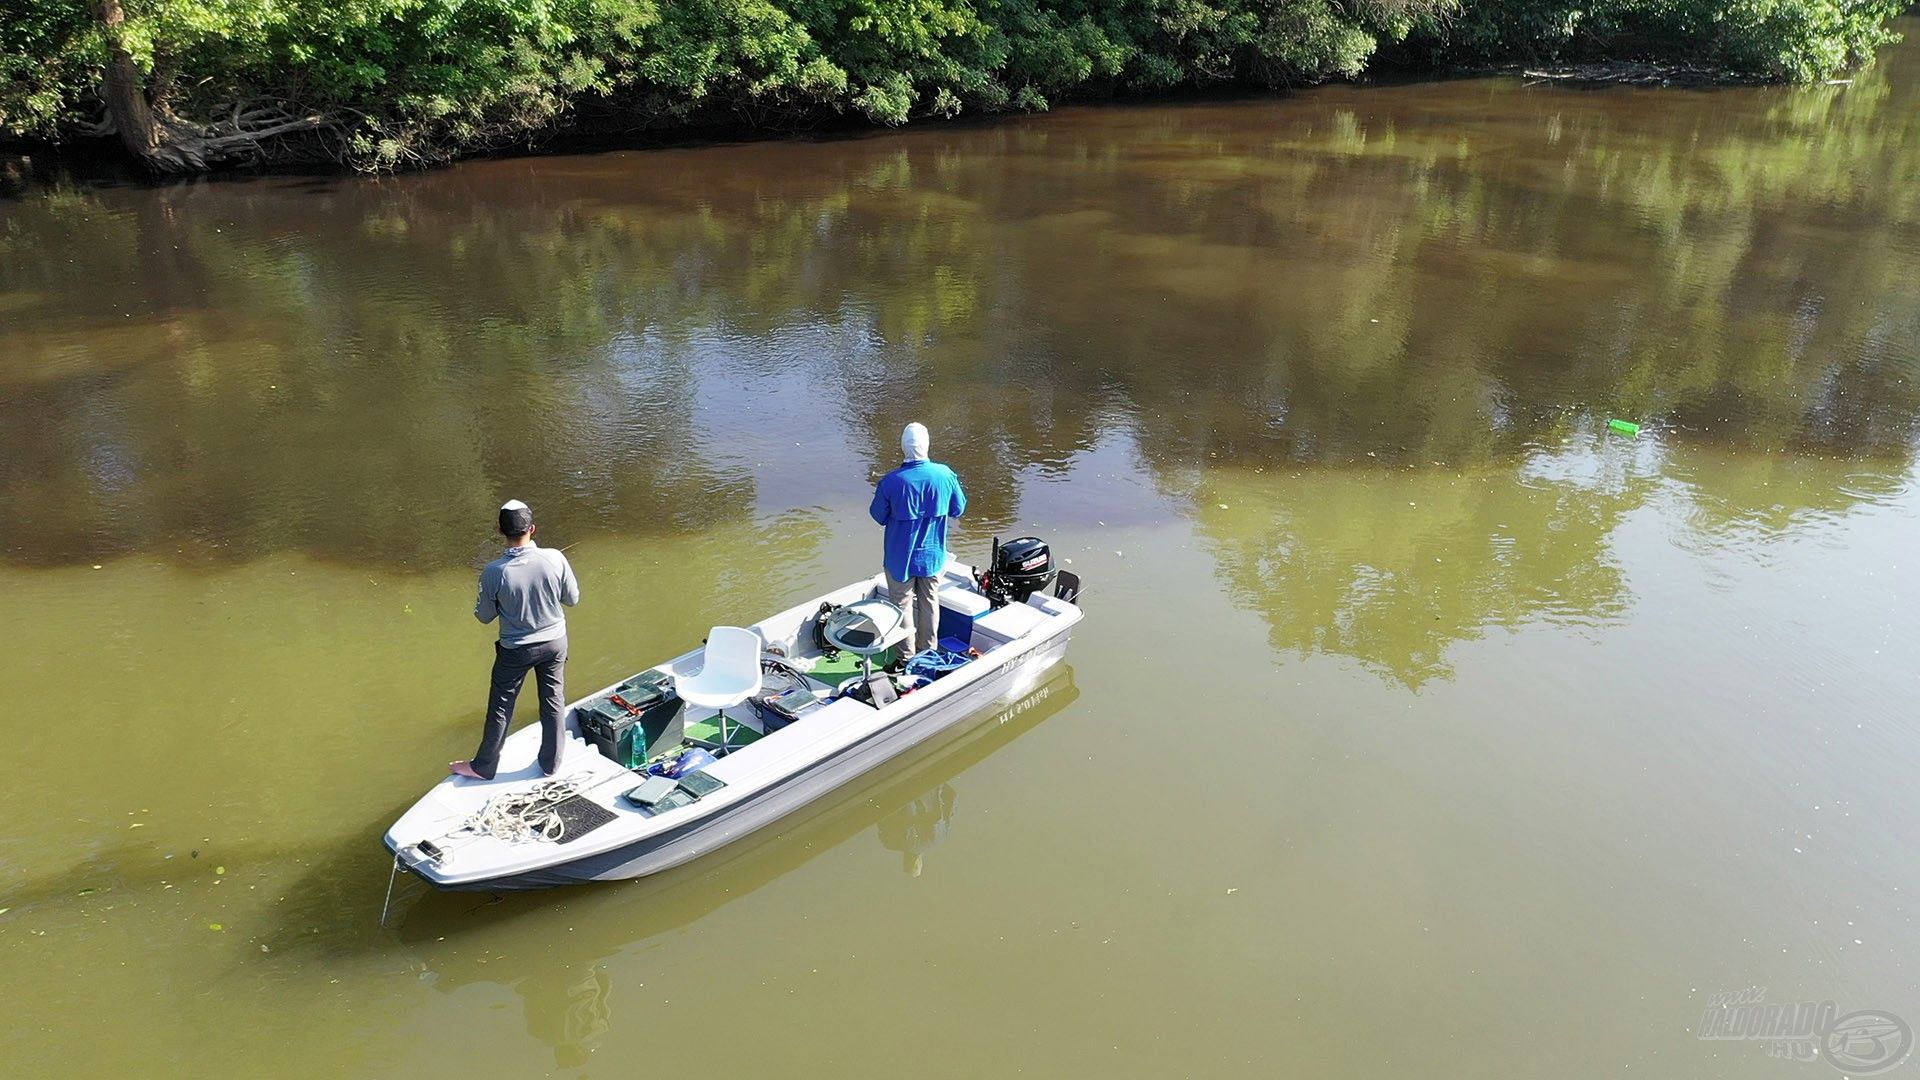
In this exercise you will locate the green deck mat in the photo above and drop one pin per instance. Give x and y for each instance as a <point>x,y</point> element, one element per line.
<point>846,666</point>
<point>707,731</point>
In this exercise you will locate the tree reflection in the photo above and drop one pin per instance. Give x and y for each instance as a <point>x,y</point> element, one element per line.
<point>1452,274</point>
<point>316,388</point>
<point>1390,568</point>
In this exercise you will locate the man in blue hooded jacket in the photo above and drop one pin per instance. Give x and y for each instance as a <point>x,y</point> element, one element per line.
<point>914,502</point>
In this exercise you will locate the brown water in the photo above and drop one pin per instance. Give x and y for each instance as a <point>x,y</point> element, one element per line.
<point>1418,727</point>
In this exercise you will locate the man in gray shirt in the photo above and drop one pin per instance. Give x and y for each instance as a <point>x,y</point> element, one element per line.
<point>524,589</point>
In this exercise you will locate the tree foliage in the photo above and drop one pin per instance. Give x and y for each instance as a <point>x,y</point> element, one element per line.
<point>385,83</point>
<point>1793,40</point>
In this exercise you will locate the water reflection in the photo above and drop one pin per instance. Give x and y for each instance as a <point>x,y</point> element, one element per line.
<point>1391,569</point>
<point>1736,502</point>
<point>918,827</point>
<point>567,1010</point>
<point>567,996</point>
<point>1436,274</point>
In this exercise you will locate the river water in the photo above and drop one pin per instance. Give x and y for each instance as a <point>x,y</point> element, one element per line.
<point>1419,726</point>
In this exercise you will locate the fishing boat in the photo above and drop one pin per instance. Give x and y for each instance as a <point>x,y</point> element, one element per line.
<point>686,757</point>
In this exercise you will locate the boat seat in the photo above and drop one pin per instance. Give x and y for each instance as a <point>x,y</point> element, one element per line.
<point>729,674</point>
<point>866,628</point>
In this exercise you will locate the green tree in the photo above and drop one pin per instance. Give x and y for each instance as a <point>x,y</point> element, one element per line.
<point>1795,40</point>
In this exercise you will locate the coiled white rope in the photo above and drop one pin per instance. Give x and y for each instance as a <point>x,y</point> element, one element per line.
<point>520,817</point>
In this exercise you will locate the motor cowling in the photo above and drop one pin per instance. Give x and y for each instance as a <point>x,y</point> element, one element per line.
<point>1019,569</point>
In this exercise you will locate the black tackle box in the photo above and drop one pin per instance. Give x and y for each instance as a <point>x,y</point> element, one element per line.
<point>636,720</point>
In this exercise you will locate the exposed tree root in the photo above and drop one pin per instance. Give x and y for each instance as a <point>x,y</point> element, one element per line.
<point>172,146</point>
<point>1638,73</point>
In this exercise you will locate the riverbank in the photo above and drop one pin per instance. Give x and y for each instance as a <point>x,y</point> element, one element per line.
<point>181,87</point>
<point>1625,73</point>
<point>29,162</point>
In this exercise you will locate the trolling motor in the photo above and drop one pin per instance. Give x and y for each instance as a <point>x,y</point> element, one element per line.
<point>1018,569</point>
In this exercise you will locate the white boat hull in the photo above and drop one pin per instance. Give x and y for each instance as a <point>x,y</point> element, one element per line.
<point>765,785</point>
<point>771,804</point>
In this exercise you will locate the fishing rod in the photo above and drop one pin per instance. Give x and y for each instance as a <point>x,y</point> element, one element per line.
<point>486,554</point>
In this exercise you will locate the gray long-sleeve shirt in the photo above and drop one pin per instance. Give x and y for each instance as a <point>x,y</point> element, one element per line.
<point>525,588</point>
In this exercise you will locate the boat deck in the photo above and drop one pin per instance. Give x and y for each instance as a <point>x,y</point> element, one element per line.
<point>758,763</point>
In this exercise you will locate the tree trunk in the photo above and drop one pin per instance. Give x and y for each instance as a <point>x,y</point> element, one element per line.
<point>152,142</point>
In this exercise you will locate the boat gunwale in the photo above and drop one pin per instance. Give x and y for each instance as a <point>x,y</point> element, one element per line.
<point>549,875</point>
<point>1062,617</point>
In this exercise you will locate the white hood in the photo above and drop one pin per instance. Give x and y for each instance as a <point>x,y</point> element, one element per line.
<point>913,442</point>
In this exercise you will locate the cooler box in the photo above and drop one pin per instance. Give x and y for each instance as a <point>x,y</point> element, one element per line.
<point>958,609</point>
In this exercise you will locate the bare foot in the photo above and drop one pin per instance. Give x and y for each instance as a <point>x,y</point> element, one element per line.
<point>464,768</point>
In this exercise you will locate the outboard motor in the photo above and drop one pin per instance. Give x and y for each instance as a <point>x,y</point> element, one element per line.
<point>1019,569</point>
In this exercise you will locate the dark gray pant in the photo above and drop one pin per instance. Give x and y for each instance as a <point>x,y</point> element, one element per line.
<point>548,662</point>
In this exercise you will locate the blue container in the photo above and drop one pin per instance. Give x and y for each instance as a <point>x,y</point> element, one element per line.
<point>958,609</point>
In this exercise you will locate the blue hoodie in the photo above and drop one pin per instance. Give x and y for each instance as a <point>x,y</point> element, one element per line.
<point>914,502</point>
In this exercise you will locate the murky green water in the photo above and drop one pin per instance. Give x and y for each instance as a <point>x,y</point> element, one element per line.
<point>1418,727</point>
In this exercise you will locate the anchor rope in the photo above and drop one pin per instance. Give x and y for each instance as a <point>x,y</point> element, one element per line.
<point>526,816</point>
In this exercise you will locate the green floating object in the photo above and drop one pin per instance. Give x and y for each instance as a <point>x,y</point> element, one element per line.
<point>1623,427</point>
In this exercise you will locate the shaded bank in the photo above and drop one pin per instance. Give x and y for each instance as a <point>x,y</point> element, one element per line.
<point>184,86</point>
